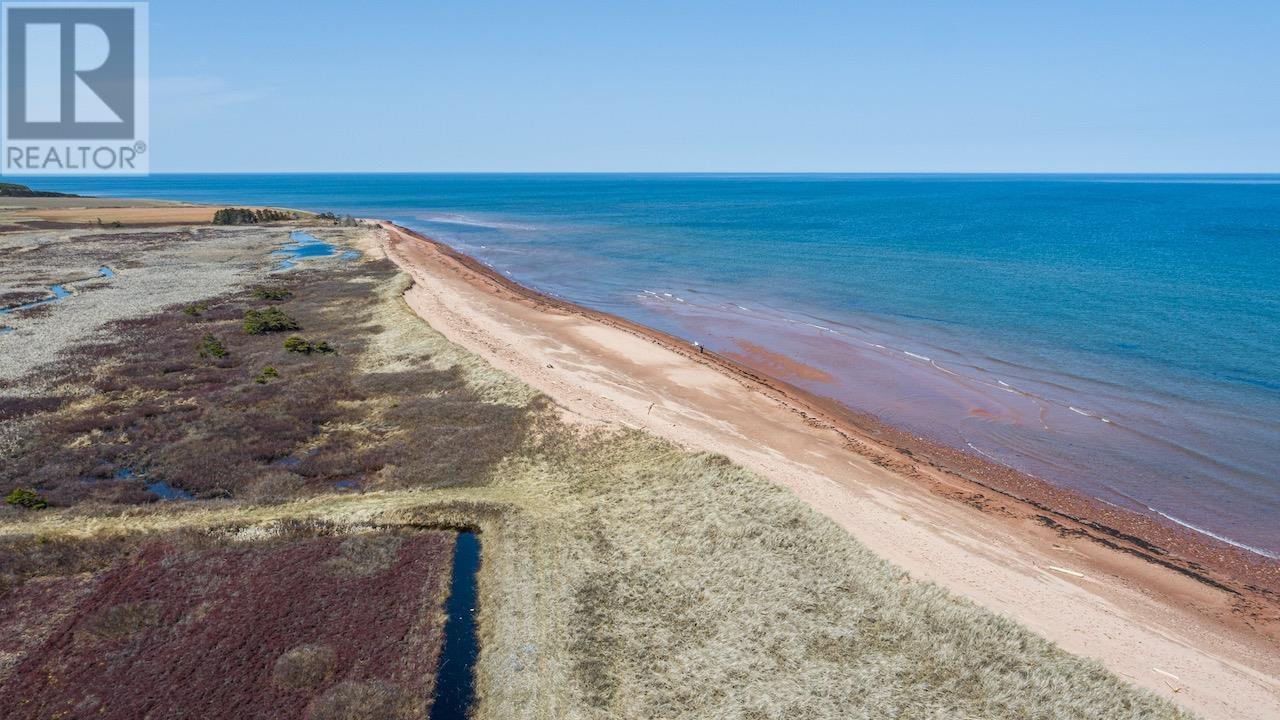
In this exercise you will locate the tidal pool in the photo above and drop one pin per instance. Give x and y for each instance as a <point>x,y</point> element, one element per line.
<point>307,246</point>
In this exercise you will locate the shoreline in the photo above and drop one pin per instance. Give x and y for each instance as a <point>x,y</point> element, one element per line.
<point>1178,546</point>
<point>1199,555</point>
<point>1193,620</point>
<point>1187,632</point>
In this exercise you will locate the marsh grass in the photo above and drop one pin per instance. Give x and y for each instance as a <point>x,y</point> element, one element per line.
<point>304,667</point>
<point>230,620</point>
<point>352,700</point>
<point>275,294</point>
<point>122,620</point>
<point>362,555</point>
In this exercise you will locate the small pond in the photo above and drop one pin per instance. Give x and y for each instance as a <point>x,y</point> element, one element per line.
<point>307,246</point>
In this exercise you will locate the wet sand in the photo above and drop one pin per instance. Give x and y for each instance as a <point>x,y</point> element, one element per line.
<point>1180,614</point>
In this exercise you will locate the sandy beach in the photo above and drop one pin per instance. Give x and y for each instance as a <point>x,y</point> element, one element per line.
<point>1187,618</point>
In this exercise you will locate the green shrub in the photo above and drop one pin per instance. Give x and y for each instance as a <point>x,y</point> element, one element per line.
<point>298,344</point>
<point>246,216</point>
<point>195,310</point>
<point>211,347</point>
<point>343,220</point>
<point>268,373</point>
<point>26,499</point>
<point>273,319</point>
<point>274,294</point>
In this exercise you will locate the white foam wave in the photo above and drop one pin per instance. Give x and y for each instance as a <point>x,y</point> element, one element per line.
<point>939,367</point>
<point>918,357</point>
<point>1215,536</point>
<point>980,452</point>
<point>473,222</point>
<point>1086,413</point>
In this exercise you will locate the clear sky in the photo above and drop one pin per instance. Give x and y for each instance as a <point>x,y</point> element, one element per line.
<point>433,85</point>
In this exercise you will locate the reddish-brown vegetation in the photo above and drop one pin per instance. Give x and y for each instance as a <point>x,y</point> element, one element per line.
<point>162,407</point>
<point>305,627</point>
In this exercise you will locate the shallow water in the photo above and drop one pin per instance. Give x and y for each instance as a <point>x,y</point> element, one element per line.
<point>305,246</point>
<point>59,293</point>
<point>168,492</point>
<point>1113,334</point>
<point>455,679</point>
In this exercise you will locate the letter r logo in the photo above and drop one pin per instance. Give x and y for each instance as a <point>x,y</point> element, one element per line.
<point>70,72</point>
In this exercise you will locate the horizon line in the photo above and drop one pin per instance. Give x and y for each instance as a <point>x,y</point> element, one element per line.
<point>851,173</point>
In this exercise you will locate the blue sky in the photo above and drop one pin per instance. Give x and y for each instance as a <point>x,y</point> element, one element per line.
<point>269,85</point>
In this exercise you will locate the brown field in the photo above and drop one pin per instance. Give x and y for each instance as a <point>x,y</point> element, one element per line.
<point>623,576</point>
<point>33,213</point>
<point>23,214</point>
<point>187,626</point>
<point>175,215</point>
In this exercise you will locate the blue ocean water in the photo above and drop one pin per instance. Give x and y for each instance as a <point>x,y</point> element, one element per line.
<point>1116,334</point>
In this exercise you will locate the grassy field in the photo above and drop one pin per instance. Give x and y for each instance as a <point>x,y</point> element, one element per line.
<point>622,577</point>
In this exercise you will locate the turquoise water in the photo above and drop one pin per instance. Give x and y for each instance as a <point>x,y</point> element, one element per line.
<point>306,246</point>
<point>1115,334</point>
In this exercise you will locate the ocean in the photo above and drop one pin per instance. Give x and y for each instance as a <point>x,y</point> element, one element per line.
<point>1118,335</point>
